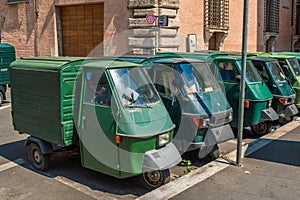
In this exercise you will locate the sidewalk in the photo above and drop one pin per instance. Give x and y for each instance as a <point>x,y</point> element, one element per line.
<point>270,170</point>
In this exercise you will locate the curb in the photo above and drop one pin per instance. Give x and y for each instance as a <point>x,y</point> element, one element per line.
<point>196,176</point>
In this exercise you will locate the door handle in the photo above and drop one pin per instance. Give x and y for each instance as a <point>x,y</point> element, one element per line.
<point>83,121</point>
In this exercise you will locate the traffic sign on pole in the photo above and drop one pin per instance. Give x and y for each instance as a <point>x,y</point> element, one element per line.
<point>150,19</point>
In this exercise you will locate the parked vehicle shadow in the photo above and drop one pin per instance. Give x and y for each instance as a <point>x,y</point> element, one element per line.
<point>278,151</point>
<point>68,168</point>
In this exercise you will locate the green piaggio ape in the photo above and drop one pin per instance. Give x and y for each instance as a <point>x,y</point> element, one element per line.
<point>7,56</point>
<point>291,69</point>
<point>194,100</point>
<point>283,94</point>
<point>107,109</point>
<point>258,114</point>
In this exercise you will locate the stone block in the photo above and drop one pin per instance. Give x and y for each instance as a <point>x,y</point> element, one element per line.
<point>154,11</point>
<point>141,42</point>
<point>169,42</point>
<point>141,32</point>
<point>164,32</point>
<point>154,3</point>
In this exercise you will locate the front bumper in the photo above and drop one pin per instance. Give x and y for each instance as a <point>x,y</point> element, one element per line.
<point>215,136</point>
<point>290,110</point>
<point>160,159</point>
<point>268,114</point>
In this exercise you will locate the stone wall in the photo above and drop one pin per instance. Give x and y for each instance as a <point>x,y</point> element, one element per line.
<point>142,37</point>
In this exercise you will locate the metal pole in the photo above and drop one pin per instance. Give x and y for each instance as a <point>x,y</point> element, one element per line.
<point>242,86</point>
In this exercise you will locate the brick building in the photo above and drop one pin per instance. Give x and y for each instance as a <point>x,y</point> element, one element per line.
<point>113,27</point>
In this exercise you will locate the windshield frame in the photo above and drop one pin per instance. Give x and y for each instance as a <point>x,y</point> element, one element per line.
<point>250,70</point>
<point>292,62</point>
<point>130,93</point>
<point>198,69</point>
<point>271,65</point>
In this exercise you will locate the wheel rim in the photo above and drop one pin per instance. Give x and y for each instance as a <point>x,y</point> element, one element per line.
<point>260,128</point>
<point>37,156</point>
<point>153,178</point>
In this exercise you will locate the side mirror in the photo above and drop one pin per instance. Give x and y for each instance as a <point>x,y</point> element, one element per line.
<point>130,95</point>
<point>285,66</point>
<point>238,77</point>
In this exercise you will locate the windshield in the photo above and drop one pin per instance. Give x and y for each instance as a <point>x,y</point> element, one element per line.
<point>295,66</point>
<point>198,77</point>
<point>252,74</point>
<point>276,72</point>
<point>133,86</point>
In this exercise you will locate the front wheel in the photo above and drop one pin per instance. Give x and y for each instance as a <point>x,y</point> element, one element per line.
<point>261,128</point>
<point>36,158</point>
<point>154,179</point>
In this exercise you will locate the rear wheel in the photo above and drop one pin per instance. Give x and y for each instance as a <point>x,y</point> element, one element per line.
<point>1,98</point>
<point>36,158</point>
<point>261,128</point>
<point>154,179</point>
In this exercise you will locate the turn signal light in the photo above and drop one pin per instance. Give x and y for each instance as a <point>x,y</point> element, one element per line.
<point>282,100</point>
<point>118,139</point>
<point>247,104</point>
<point>198,121</point>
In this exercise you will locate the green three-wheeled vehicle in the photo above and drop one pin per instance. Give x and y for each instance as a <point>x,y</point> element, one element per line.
<point>107,110</point>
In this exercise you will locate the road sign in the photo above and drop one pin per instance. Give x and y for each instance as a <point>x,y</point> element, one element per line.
<point>150,19</point>
<point>163,20</point>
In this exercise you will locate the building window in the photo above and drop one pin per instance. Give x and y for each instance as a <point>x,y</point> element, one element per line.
<point>272,16</point>
<point>16,1</point>
<point>217,14</point>
<point>298,20</point>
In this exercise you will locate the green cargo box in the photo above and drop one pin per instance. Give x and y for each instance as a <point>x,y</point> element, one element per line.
<point>7,56</point>
<point>42,97</point>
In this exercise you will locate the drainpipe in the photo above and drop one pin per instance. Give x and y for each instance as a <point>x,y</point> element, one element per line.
<point>36,29</point>
<point>2,20</point>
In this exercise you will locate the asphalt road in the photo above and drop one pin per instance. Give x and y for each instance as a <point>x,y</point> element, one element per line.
<point>66,178</point>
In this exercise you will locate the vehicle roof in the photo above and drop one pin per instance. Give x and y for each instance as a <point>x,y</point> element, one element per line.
<point>226,57</point>
<point>56,63</point>
<point>6,48</point>
<point>173,60</point>
<point>263,59</point>
<point>276,55</point>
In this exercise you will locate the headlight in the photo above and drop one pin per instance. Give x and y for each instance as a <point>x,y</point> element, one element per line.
<point>163,139</point>
<point>205,122</point>
<point>270,103</point>
<point>230,116</point>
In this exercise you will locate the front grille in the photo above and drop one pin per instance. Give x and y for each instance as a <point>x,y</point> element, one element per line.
<point>220,118</point>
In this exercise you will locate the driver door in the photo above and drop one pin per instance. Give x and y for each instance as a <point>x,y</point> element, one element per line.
<point>97,127</point>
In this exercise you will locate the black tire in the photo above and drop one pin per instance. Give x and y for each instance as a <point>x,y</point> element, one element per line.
<point>154,179</point>
<point>1,98</point>
<point>285,120</point>
<point>36,158</point>
<point>261,128</point>
<point>214,153</point>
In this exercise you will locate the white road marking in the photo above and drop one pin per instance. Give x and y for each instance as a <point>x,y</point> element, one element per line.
<point>4,107</point>
<point>84,189</point>
<point>11,164</point>
<point>179,185</point>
